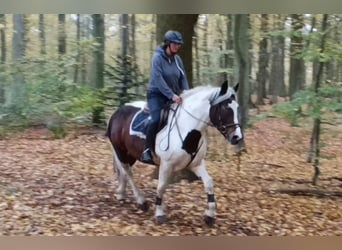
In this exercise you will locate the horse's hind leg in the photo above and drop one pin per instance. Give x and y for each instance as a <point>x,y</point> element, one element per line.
<point>124,175</point>
<point>208,183</point>
<point>139,195</point>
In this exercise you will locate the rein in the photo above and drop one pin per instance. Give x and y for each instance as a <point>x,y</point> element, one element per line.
<point>200,120</point>
<point>192,155</point>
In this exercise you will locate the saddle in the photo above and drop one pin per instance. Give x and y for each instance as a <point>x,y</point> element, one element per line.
<point>141,119</point>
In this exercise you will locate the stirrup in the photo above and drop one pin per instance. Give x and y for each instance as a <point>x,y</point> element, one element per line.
<point>146,157</point>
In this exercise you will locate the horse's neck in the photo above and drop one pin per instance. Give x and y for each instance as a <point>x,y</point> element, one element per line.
<point>194,111</point>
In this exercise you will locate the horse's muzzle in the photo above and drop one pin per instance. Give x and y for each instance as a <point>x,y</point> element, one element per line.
<point>235,139</point>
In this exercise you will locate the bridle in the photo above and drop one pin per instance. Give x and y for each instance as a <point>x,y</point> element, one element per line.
<point>224,128</point>
<point>221,127</point>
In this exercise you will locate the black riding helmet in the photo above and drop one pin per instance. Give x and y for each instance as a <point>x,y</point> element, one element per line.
<point>173,37</point>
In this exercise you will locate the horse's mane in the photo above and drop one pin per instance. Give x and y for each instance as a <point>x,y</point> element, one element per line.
<point>210,92</point>
<point>191,92</point>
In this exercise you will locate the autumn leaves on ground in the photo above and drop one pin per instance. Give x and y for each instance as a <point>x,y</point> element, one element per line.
<point>66,187</point>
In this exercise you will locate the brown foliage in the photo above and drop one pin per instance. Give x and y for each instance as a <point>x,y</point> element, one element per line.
<point>66,187</point>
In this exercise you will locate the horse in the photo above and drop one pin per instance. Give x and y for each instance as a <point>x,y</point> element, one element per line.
<point>181,143</point>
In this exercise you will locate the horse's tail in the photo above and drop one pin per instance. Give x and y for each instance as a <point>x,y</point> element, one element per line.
<point>109,127</point>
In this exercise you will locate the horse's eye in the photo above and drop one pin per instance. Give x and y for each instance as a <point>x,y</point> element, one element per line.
<point>233,97</point>
<point>230,100</point>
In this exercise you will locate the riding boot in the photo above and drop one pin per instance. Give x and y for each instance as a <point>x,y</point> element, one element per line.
<point>149,145</point>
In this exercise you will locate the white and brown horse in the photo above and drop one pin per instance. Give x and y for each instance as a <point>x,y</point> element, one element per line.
<point>181,143</point>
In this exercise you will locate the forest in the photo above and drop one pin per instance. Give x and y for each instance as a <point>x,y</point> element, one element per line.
<point>63,75</point>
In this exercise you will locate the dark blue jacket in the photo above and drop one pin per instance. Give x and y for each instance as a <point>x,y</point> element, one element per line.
<point>167,74</point>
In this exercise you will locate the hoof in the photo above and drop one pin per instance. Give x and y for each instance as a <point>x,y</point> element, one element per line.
<point>144,207</point>
<point>120,197</point>
<point>209,220</point>
<point>161,219</point>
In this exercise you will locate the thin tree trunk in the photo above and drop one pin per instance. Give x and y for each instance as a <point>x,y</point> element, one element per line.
<point>99,36</point>
<point>3,38</point>
<point>262,74</point>
<point>297,67</point>
<point>61,34</point>
<point>277,81</point>
<point>83,59</point>
<point>230,47</point>
<point>315,146</point>
<point>197,79</point>
<point>3,53</point>
<point>61,48</point>
<point>132,33</point>
<point>42,38</point>
<point>205,60</point>
<point>15,96</point>
<point>124,55</point>
<point>241,45</point>
<point>78,56</point>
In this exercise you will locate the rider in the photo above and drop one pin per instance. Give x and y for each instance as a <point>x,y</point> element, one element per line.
<point>167,81</point>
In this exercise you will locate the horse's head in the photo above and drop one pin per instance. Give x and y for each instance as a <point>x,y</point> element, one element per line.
<point>224,113</point>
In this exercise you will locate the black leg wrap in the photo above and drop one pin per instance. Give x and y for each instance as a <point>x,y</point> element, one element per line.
<point>211,198</point>
<point>158,201</point>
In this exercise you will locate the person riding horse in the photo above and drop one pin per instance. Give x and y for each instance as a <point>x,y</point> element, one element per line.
<point>167,81</point>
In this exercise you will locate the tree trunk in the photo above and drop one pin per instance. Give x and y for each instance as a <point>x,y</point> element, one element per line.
<point>221,76</point>
<point>132,40</point>
<point>3,53</point>
<point>124,57</point>
<point>42,38</point>
<point>205,60</point>
<point>197,79</point>
<point>184,23</point>
<point>99,36</point>
<point>15,96</point>
<point>315,146</point>
<point>153,35</point>
<point>297,67</point>
<point>61,48</point>
<point>83,57</point>
<point>78,56</point>
<point>241,45</point>
<point>230,48</point>
<point>277,81</point>
<point>262,74</point>
<point>331,66</point>
<point>61,34</point>
<point>3,38</point>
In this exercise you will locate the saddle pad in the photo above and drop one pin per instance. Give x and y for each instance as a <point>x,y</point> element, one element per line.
<point>139,124</point>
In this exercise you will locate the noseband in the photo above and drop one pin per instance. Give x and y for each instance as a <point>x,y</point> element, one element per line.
<point>223,128</point>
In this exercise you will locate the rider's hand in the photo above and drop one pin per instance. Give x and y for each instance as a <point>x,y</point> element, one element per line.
<point>177,99</point>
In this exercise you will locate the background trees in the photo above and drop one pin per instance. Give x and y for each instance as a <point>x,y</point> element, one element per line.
<point>68,68</point>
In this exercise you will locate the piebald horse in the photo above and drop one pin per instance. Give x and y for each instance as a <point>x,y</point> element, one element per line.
<point>181,143</point>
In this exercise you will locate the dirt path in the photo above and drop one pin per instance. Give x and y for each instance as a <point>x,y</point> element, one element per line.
<point>66,187</point>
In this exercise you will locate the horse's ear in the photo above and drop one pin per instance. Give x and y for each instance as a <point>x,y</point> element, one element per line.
<point>224,88</point>
<point>236,87</point>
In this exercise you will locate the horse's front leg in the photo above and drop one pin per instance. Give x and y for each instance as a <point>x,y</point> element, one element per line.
<point>163,180</point>
<point>208,183</point>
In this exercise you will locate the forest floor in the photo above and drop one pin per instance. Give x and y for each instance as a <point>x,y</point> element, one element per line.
<point>66,186</point>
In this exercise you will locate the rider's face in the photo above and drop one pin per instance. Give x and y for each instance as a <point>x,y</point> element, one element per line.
<point>174,47</point>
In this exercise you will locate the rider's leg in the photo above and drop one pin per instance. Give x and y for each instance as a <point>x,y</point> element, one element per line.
<point>155,103</point>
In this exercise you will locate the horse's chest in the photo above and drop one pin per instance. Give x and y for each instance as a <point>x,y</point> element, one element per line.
<point>190,151</point>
